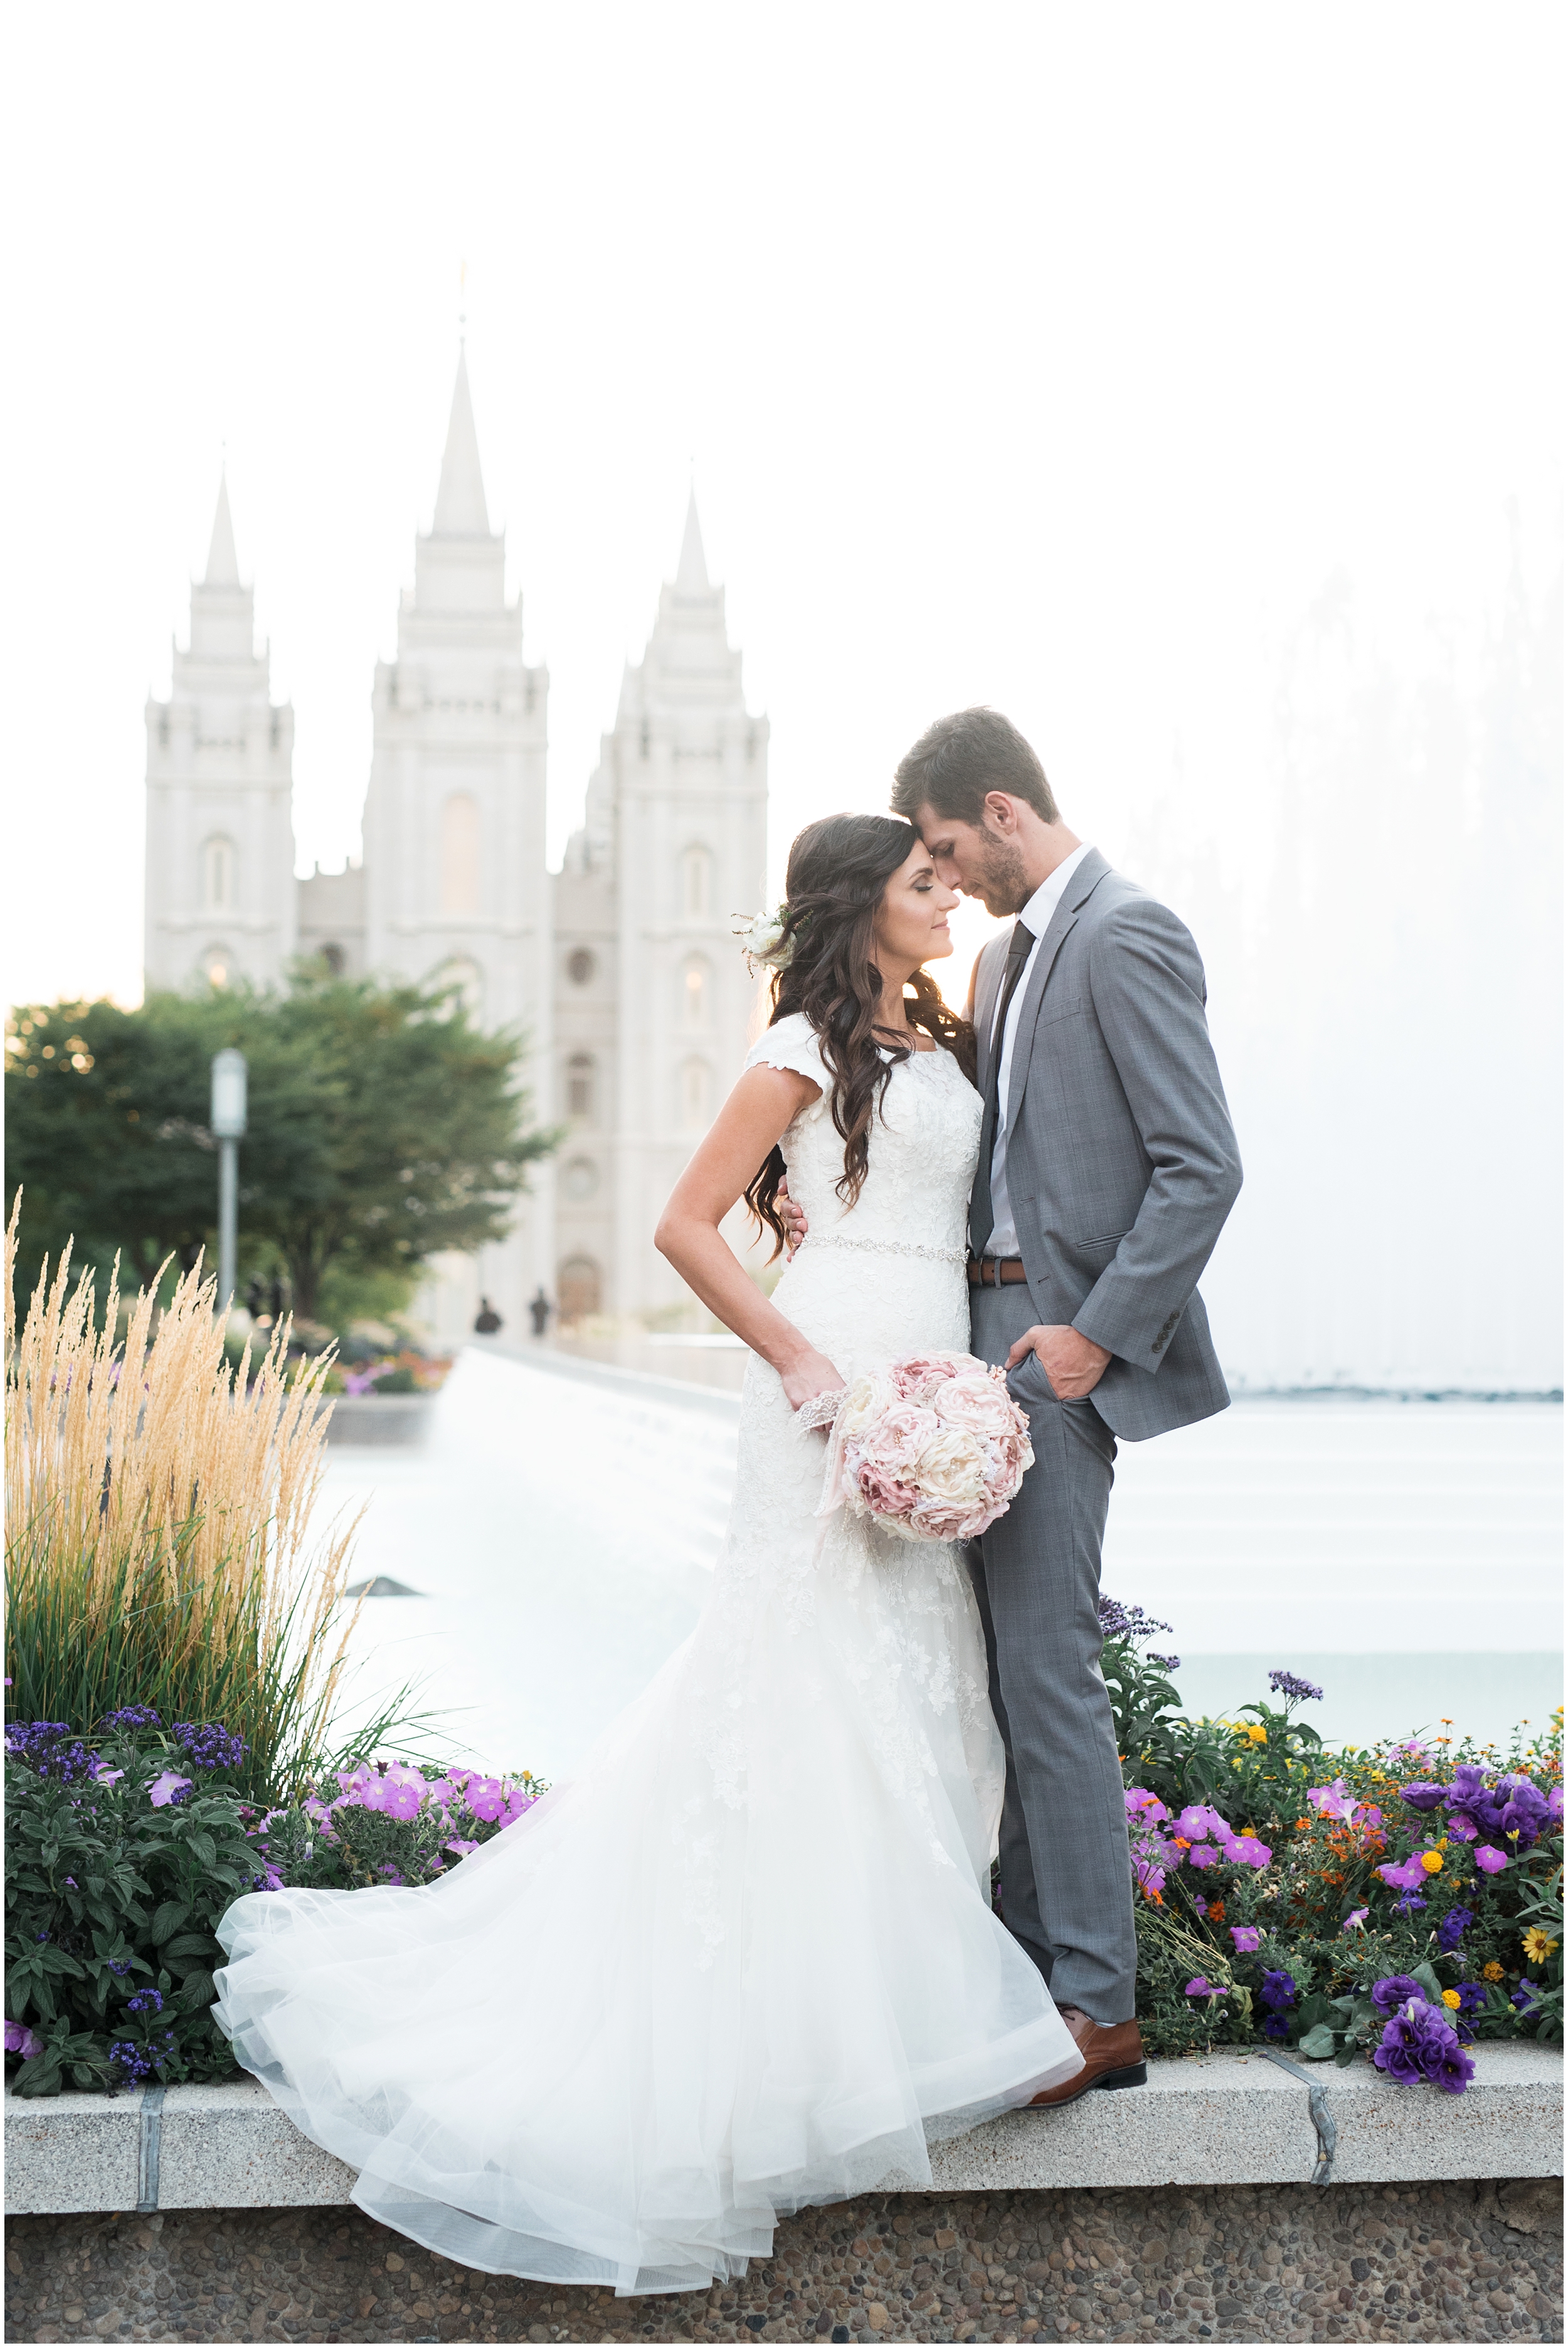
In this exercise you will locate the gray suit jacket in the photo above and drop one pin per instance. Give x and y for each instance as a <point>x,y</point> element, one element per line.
<point>1121,1161</point>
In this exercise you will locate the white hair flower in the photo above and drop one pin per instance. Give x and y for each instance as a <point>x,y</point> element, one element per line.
<point>762,939</point>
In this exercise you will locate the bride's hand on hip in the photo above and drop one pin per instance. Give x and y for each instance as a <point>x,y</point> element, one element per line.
<point>812,1373</point>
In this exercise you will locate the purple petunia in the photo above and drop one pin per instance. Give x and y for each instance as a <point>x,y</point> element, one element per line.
<point>1278,1992</point>
<point>1202,1986</point>
<point>1247,1938</point>
<point>1357,1920</point>
<point>1408,1876</point>
<point>167,1788</point>
<point>1490,1861</point>
<point>1472,1997</point>
<point>20,2040</point>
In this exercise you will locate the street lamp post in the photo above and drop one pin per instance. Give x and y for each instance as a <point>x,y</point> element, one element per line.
<point>228,1125</point>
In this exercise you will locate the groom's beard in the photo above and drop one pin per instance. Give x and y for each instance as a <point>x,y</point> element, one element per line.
<point>1003,885</point>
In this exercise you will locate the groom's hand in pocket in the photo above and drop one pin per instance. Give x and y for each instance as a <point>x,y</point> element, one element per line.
<point>1073,1364</point>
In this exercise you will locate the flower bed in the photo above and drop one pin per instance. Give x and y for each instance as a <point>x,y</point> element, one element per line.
<point>123,1851</point>
<point>1399,1901</point>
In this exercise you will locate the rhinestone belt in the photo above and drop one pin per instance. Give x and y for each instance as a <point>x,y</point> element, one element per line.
<point>889,1247</point>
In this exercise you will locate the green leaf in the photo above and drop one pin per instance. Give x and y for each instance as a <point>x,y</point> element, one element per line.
<point>1317,2045</point>
<point>205,1848</point>
<point>196,1991</point>
<point>187,1944</point>
<point>167,1919</point>
<point>1428,1980</point>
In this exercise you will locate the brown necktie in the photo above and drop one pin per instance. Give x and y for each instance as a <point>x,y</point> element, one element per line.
<point>1018,949</point>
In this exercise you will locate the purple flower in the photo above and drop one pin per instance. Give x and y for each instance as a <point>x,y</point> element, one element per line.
<point>486,1798</point>
<point>1424,1796</point>
<point>1140,1803</point>
<point>166,1788</point>
<point>1490,1861</point>
<point>210,1747</point>
<point>120,1965</point>
<point>50,1747</point>
<point>400,1799</point>
<point>1461,1828</point>
<point>1203,1854</point>
<point>1276,2027</point>
<point>1524,1997</point>
<point>1472,1997</point>
<point>144,2002</point>
<point>1407,1904</point>
<point>1198,1822</point>
<point>1278,1992</point>
<point>1401,2055</point>
<point>106,1777</point>
<point>1355,1922</point>
<point>1448,2066</point>
<point>1407,1877</point>
<point>20,2040</point>
<point>1453,1928</point>
<point>1247,1851</point>
<point>1334,1801</point>
<point>1119,1622</point>
<point>1166,1662</point>
<point>1396,1990</point>
<point>1294,1691</point>
<point>1202,1986</point>
<point>131,1715</point>
<point>1247,1938</point>
<point>462,1849</point>
<point>1524,1812</point>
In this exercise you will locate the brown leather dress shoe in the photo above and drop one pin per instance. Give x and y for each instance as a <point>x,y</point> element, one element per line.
<point>1112,2057</point>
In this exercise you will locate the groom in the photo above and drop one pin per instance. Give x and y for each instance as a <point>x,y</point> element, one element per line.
<point>1107,1167</point>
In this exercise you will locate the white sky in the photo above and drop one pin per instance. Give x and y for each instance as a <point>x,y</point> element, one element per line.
<point>1045,355</point>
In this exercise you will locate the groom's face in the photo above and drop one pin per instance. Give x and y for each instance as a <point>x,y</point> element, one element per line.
<point>982,859</point>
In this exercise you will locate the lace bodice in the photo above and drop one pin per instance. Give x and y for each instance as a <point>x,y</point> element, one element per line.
<point>914,1205</point>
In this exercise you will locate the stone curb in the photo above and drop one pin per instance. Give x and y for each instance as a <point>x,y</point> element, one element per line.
<point>1233,2118</point>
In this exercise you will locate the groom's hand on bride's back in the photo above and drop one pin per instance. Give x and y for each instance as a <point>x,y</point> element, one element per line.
<point>1073,1364</point>
<point>793,1219</point>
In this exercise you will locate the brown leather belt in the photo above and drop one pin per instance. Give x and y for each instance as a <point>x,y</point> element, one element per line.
<point>994,1272</point>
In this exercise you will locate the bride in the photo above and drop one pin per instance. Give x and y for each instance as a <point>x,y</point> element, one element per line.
<point>745,1958</point>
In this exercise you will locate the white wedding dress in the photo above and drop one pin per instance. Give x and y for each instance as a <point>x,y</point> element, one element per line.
<point>745,1958</point>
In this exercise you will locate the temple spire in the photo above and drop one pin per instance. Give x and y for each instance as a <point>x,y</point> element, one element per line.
<point>460,509</point>
<point>222,563</point>
<point>691,577</point>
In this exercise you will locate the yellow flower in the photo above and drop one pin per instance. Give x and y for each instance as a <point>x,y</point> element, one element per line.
<point>1537,1947</point>
<point>1432,1861</point>
<point>1257,1732</point>
<point>1451,1997</point>
<point>1492,1972</point>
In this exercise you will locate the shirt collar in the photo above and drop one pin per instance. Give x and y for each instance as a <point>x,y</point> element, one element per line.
<point>1037,912</point>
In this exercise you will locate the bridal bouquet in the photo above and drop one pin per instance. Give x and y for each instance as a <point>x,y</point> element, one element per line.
<point>933,1449</point>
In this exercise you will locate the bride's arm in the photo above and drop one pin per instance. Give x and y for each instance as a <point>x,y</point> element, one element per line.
<point>751,1121</point>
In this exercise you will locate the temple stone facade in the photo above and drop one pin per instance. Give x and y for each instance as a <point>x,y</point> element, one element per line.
<point>621,969</point>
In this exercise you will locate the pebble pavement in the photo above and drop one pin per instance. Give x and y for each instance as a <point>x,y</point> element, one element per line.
<point>1421,2263</point>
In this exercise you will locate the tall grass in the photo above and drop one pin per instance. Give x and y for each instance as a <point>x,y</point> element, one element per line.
<point>158,1524</point>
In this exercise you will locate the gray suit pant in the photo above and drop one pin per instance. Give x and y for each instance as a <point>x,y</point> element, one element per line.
<point>1067,1884</point>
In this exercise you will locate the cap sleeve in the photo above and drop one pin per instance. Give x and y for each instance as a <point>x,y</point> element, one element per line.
<point>791,1043</point>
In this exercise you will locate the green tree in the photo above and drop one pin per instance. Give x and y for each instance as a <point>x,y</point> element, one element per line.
<point>383,1128</point>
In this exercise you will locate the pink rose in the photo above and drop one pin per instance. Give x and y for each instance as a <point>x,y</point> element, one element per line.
<point>882,1493</point>
<point>897,1438</point>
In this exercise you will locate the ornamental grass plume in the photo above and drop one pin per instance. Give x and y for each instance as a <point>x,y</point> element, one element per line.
<point>159,1504</point>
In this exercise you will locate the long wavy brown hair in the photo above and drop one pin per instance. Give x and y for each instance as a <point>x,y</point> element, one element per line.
<point>838,874</point>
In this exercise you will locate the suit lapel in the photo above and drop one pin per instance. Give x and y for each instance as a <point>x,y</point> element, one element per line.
<point>1075,895</point>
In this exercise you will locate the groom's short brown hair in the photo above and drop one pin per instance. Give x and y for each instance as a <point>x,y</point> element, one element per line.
<point>956,761</point>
